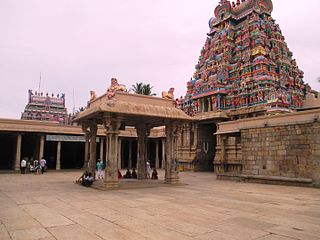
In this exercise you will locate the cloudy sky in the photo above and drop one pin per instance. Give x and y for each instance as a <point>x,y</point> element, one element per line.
<point>79,45</point>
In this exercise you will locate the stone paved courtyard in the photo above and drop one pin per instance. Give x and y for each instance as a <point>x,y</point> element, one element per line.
<point>52,206</point>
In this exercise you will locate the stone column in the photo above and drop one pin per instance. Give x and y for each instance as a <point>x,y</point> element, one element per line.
<point>157,155</point>
<point>93,152</point>
<point>224,166</point>
<point>188,137</point>
<point>143,132</point>
<point>87,136</point>
<point>163,153</point>
<point>112,126</point>
<point>41,147</point>
<point>58,163</point>
<point>18,153</point>
<point>119,153</point>
<point>101,147</point>
<point>171,169</point>
<point>195,135</point>
<point>130,155</point>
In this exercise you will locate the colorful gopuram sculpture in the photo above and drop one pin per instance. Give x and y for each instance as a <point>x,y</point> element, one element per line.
<point>245,63</point>
<point>46,107</point>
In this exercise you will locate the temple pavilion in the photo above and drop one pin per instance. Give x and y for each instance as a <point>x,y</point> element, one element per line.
<point>115,110</point>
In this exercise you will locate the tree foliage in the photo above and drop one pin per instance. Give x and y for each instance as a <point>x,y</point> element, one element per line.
<point>143,89</point>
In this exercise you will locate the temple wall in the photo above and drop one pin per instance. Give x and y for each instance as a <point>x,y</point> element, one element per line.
<point>284,145</point>
<point>286,151</point>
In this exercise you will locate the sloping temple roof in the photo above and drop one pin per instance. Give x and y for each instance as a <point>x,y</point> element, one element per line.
<point>133,108</point>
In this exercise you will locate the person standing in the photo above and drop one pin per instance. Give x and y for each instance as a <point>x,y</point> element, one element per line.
<point>43,164</point>
<point>100,169</point>
<point>148,169</point>
<point>23,166</point>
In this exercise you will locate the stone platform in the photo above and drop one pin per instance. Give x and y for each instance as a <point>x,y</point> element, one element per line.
<point>275,180</point>
<point>125,184</point>
<point>53,207</point>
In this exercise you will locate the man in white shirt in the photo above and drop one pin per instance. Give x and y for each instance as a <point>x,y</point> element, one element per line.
<point>43,163</point>
<point>23,166</point>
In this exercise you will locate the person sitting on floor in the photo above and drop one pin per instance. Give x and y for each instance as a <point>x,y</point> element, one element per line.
<point>119,174</point>
<point>81,179</point>
<point>128,174</point>
<point>134,174</point>
<point>154,174</point>
<point>88,180</point>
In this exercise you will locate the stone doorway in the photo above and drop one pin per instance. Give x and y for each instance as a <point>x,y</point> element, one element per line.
<point>72,155</point>
<point>50,154</point>
<point>206,147</point>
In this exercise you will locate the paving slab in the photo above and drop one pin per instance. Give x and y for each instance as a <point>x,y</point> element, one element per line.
<point>52,206</point>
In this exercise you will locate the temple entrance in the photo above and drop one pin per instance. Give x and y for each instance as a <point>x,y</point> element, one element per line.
<point>30,146</point>
<point>50,154</point>
<point>72,155</point>
<point>7,149</point>
<point>206,147</point>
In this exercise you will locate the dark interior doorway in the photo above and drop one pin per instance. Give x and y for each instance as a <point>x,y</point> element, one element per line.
<point>152,153</point>
<point>30,146</point>
<point>7,149</point>
<point>206,147</point>
<point>50,154</point>
<point>125,144</point>
<point>72,155</point>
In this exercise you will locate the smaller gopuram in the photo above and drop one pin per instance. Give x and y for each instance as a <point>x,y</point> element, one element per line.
<point>45,107</point>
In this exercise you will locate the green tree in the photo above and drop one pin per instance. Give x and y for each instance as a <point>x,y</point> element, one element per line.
<point>143,89</point>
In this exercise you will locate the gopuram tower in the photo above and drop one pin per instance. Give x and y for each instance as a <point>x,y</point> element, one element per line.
<point>245,67</point>
<point>245,70</point>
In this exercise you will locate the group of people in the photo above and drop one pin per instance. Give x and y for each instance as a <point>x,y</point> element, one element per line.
<point>130,174</point>
<point>35,166</point>
<point>88,178</point>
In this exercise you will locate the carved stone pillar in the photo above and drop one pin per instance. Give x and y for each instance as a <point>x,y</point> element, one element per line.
<point>87,136</point>
<point>157,155</point>
<point>112,126</point>
<point>41,147</point>
<point>171,168</point>
<point>93,152</point>
<point>18,153</point>
<point>163,153</point>
<point>188,132</point>
<point>130,155</point>
<point>143,132</point>
<point>119,153</point>
<point>195,135</point>
<point>58,163</point>
<point>224,165</point>
<point>101,147</point>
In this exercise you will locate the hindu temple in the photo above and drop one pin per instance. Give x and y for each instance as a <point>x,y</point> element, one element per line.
<point>247,114</point>
<point>46,107</point>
